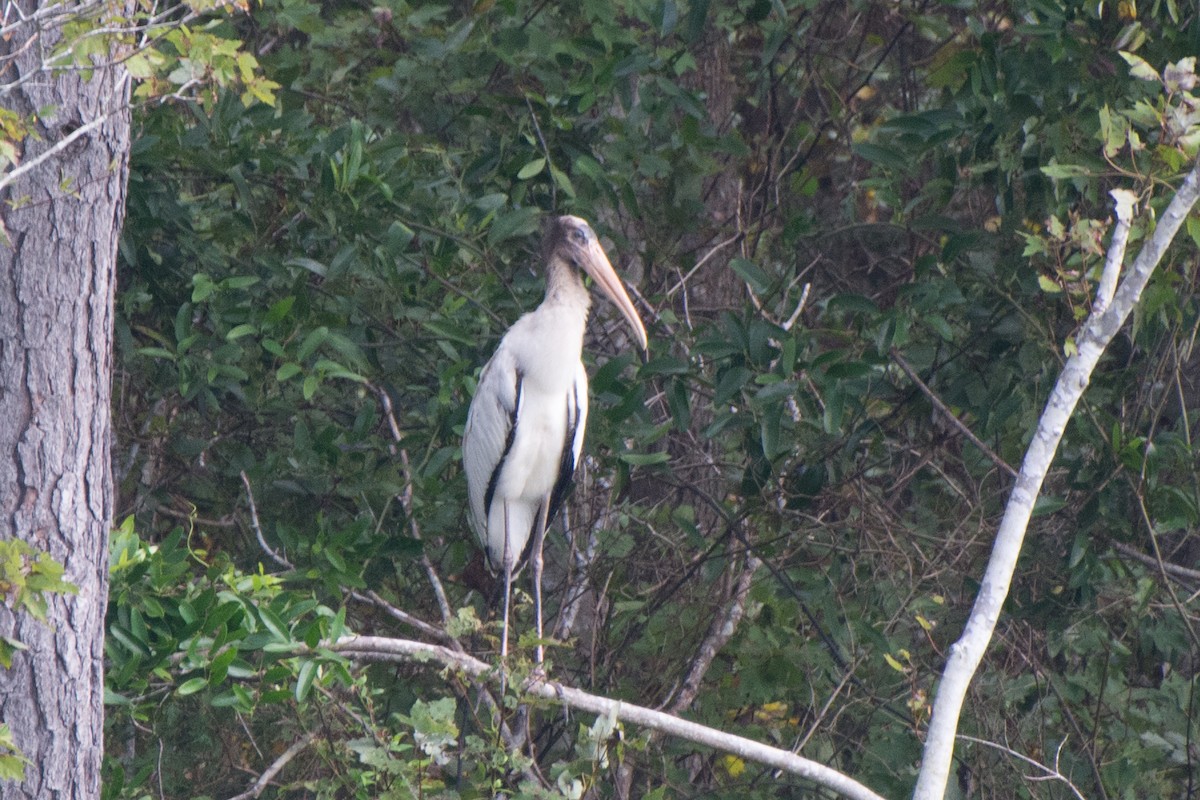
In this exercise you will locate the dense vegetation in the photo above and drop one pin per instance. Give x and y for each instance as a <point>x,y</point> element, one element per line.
<point>846,221</point>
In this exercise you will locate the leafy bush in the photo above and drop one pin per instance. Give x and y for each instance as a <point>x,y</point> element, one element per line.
<point>817,199</point>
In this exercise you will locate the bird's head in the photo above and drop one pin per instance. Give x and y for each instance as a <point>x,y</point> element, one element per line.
<point>572,241</point>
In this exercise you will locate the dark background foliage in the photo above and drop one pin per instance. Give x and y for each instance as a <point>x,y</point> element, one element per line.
<point>815,202</point>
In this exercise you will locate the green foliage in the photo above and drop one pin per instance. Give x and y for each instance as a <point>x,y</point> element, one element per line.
<point>12,763</point>
<point>809,224</point>
<point>160,48</point>
<point>28,577</point>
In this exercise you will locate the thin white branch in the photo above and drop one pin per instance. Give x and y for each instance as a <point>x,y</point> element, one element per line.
<point>400,615</point>
<point>63,144</point>
<point>787,326</point>
<point>1052,773</point>
<point>948,414</point>
<point>257,527</point>
<point>724,625</point>
<point>1124,200</point>
<point>278,764</point>
<point>583,555</point>
<point>377,648</point>
<point>719,633</point>
<point>716,248</point>
<point>967,653</point>
<point>397,448</point>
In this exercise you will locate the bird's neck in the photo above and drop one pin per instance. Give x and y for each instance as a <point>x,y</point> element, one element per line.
<point>564,287</point>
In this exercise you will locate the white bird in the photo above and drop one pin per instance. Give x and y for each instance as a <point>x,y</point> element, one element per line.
<point>526,423</point>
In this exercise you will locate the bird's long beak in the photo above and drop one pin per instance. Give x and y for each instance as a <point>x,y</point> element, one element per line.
<point>597,265</point>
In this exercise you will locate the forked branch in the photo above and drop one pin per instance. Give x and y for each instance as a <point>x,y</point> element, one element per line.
<point>1107,317</point>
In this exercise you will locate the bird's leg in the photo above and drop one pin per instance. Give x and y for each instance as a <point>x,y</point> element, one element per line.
<point>535,557</point>
<point>507,561</point>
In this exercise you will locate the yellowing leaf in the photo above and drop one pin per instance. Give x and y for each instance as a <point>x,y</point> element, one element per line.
<point>1139,67</point>
<point>893,663</point>
<point>733,765</point>
<point>1048,286</point>
<point>771,711</point>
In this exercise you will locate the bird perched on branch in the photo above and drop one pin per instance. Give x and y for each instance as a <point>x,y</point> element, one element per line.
<point>526,423</point>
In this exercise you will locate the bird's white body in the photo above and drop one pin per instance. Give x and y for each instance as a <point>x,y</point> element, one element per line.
<point>525,426</point>
<point>535,388</point>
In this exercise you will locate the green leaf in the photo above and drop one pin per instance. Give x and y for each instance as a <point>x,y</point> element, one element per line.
<point>288,370</point>
<point>884,156</point>
<point>239,331</point>
<point>1048,505</point>
<point>562,181</point>
<point>1048,286</point>
<point>279,310</point>
<point>274,624</point>
<point>304,680</point>
<point>1065,171</point>
<point>311,342</point>
<point>12,762</point>
<point>8,647</point>
<point>754,275</point>
<point>531,169</point>
<point>645,459</point>
<point>315,267</point>
<point>730,384</point>
<point>1193,229</point>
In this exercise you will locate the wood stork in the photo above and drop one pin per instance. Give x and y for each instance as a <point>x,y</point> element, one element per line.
<point>526,422</point>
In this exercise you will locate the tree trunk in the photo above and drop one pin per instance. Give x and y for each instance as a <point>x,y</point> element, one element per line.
<point>57,265</point>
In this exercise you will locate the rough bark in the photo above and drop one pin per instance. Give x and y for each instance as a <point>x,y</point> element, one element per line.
<point>57,270</point>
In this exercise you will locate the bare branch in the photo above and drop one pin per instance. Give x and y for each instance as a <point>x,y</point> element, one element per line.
<point>402,616</point>
<point>1051,773</point>
<point>1166,568</point>
<point>722,630</point>
<point>278,764</point>
<point>1123,202</point>
<point>254,524</point>
<point>52,152</point>
<point>716,248</point>
<point>949,415</point>
<point>375,648</point>
<point>723,626</point>
<point>1100,328</point>
<point>397,448</point>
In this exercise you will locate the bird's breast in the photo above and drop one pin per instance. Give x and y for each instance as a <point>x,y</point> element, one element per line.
<point>533,463</point>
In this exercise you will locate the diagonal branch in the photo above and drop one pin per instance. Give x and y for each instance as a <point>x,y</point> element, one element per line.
<point>377,648</point>
<point>1102,325</point>
<point>950,415</point>
<point>278,764</point>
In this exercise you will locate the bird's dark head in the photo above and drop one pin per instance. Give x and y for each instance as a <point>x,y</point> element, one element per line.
<point>567,238</point>
<point>571,241</point>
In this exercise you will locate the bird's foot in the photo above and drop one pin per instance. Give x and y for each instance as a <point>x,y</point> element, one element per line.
<point>536,677</point>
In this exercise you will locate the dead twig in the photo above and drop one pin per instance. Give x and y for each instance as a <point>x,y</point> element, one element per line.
<point>945,411</point>
<point>278,764</point>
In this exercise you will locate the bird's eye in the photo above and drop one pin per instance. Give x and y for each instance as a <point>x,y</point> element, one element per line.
<point>579,236</point>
